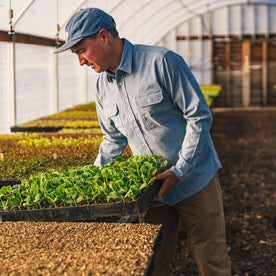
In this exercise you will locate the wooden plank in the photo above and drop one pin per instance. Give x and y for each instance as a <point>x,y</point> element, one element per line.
<point>256,73</point>
<point>228,75</point>
<point>233,37</point>
<point>246,73</point>
<point>236,73</point>
<point>219,58</point>
<point>264,72</point>
<point>251,79</point>
<point>236,55</point>
<point>29,39</point>
<point>271,74</point>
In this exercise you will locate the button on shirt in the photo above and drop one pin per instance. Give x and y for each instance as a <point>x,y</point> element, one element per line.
<point>153,103</point>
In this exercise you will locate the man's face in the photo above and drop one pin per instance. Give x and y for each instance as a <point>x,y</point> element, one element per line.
<point>95,53</point>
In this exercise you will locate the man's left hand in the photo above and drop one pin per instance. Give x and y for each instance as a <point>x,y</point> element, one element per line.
<point>169,181</point>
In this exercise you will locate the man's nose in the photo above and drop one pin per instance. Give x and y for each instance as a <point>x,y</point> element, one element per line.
<point>82,60</point>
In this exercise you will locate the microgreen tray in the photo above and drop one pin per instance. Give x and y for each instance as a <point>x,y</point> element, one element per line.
<point>10,182</point>
<point>85,212</point>
<point>35,129</point>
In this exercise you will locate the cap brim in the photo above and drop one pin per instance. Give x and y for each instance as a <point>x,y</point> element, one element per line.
<point>67,45</point>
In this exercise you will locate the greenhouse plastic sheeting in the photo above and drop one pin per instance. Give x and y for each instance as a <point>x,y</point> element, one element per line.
<point>39,83</point>
<point>140,20</point>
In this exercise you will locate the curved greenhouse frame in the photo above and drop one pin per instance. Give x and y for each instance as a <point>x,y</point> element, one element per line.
<point>208,34</point>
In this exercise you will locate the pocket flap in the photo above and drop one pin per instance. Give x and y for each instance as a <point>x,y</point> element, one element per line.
<point>149,99</point>
<point>111,111</point>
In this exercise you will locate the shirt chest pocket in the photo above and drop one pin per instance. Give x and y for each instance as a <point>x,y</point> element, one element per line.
<point>112,114</point>
<point>111,111</point>
<point>150,108</point>
<point>150,100</point>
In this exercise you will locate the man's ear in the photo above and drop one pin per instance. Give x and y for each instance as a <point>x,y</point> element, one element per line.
<point>104,35</point>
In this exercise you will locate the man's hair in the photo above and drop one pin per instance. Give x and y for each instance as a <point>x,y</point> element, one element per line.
<point>113,32</point>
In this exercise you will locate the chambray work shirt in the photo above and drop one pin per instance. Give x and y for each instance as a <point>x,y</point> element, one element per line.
<point>153,103</point>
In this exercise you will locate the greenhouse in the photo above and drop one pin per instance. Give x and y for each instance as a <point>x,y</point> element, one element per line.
<point>212,37</point>
<point>50,137</point>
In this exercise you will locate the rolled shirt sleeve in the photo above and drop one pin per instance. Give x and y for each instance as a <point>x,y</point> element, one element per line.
<point>187,96</point>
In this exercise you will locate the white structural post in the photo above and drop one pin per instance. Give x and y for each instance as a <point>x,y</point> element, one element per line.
<point>55,83</point>
<point>12,81</point>
<point>12,68</point>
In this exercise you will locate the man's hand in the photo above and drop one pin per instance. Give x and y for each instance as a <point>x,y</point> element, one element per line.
<point>169,181</point>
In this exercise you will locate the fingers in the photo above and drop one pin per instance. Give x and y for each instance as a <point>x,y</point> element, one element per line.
<point>169,181</point>
<point>163,190</point>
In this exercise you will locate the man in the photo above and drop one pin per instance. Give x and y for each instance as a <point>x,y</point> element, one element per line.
<point>148,98</point>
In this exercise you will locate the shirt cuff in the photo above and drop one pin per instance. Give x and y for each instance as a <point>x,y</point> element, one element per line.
<point>181,169</point>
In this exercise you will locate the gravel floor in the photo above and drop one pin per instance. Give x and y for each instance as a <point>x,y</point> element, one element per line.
<point>51,248</point>
<point>246,143</point>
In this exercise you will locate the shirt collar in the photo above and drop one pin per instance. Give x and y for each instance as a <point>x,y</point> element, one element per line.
<point>126,62</point>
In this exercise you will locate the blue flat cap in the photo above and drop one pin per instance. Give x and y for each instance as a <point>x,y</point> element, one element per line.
<point>84,23</point>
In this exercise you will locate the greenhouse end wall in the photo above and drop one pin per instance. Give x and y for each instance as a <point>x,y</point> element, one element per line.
<point>41,88</point>
<point>216,45</point>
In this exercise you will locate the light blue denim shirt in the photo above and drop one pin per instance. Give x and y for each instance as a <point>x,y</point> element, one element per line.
<point>153,103</point>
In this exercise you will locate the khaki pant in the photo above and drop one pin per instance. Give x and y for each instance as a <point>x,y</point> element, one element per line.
<point>203,219</point>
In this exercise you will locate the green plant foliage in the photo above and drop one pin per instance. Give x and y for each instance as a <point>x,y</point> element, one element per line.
<point>119,180</point>
<point>61,123</point>
<point>211,90</point>
<point>16,136</point>
<point>95,130</point>
<point>82,124</point>
<point>53,141</point>
<point>36,146</point>
<point>14,168</point>
<point>74,113</point>
<point>84,112</point>
<point>26,154</point>
<point>91,104</point>
<point>209,100</point>
<point>44,122</point>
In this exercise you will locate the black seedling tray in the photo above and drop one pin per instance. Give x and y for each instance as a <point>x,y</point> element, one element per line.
<point>86,212</point>
<point>9,182</point>
<point>35,129</point>
<point>150,265</point>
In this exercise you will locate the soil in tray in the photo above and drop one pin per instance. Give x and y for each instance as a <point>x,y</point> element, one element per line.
<point>51,248</point>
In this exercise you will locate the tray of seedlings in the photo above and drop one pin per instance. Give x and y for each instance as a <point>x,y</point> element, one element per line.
<point>119,188</point>
<point>78,117</point>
